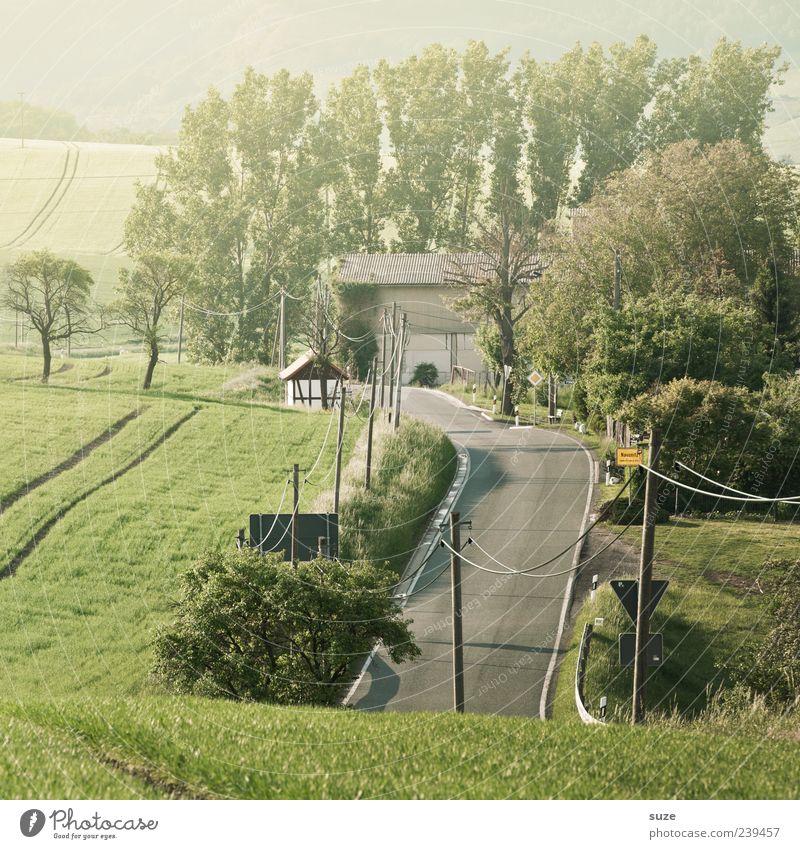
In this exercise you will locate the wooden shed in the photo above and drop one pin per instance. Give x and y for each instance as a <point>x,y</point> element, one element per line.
<point>305,381</point>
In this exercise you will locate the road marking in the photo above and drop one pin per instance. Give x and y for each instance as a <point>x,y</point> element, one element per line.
<point>568,592</point>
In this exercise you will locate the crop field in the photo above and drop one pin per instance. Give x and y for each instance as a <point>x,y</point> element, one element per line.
<point>71,198</point>
<point>121,491</point>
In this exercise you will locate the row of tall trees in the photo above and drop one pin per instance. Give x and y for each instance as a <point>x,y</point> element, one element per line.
<point>441,150</point>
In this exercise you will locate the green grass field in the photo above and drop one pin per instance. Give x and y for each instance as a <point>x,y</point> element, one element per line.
<point>197,747</point>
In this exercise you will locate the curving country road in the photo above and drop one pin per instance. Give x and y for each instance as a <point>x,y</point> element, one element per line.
<point>527,494</point>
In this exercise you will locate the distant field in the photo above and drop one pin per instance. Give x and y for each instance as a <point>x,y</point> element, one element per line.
<point>73,198</point>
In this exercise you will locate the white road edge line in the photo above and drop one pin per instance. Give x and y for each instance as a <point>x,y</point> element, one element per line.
<point>425,547</point>
<point>570,589</point>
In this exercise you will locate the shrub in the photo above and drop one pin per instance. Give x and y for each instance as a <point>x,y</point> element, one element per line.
<point>255,627</point>
<point>425,374</point>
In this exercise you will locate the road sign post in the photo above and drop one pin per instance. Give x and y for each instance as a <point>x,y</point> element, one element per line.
<point>534,378</point>
<point>645,594</point>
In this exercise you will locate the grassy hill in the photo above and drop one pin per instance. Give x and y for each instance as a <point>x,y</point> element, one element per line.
<point>70,197</point>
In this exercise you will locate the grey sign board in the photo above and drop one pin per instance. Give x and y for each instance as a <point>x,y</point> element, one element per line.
<point>270,532</point>
<point>627,649</point>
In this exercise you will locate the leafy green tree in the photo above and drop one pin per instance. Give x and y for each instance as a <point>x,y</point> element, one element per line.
<point>549,93</point>
<point>718,430</point>
<point>161,273</point>
<point>245,183</point>
<point>613,90</point>
<point>726,96</point>
<point>484,105</point>
<point>420,95</point>
<point>350,141</point>
<point>54,295</point>
<point>425,374</point>
<point>710,217</point>
<point>657,338</point>
<point>254,627</point>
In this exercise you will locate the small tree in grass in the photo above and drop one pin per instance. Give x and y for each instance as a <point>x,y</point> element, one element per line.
<point>54,295</point>
<point>255,627</point>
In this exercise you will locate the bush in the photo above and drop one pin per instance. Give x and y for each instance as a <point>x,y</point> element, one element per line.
<point>425,374</point>
<point>773,667</point>
<point>251,626</point>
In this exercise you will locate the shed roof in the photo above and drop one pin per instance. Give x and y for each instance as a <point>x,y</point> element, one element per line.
<point>411,269</point>
<point>305,363</point>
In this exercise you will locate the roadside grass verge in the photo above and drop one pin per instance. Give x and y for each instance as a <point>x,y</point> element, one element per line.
<point>411,472</point>
<point>255,751</point>
<point>713,610</point>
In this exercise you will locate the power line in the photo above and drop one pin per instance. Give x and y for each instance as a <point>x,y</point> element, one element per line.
<point>754,499</point>
<point>790,498</point>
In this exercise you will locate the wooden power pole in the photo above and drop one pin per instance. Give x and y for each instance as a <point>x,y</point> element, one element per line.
<point>370,422</point>
<point>401,350</point>
<point>180,332</point>
<point>383,356</point>
<point>639,708</point>
<point>617,279</point>
<point>455,597</point>
<point>295,508</point>
<point>393,360</point>
<point>282,334</point>
<point>339,442</point>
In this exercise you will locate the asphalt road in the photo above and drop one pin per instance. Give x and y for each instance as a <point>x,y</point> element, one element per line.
<point>527,494</point>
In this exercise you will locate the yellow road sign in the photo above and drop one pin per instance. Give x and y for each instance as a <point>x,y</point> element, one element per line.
<point>629,456</point>
<point>535,378</point>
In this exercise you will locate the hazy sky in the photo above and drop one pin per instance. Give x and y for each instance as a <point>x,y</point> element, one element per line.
<point>137,62</point>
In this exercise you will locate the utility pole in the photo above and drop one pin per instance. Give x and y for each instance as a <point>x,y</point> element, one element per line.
<point>22,118</point>
<point>392,361</point>
<point>645,582</point>
<point>339,442</point>
<point>282,333</point>
<point>16,328</point>
<point>370,423</point>
<point>383,355</point>
<point>401,345</point>
<point>455,597</point>
<point>180,332</point>
<point>295,508</point>
<point>617,278</point>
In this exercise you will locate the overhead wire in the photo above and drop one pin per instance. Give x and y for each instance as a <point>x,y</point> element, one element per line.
<point>790,498</point>
<point>751,499</point>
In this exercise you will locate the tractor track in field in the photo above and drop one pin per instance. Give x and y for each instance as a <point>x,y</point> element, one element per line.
<point>43,207</point>
<point>77,457</point>
<point>56,204</point>
<point>30,546</point>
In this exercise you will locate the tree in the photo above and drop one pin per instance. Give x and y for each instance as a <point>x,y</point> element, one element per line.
<point>726,96</point>
<point>254,627</point>
<point>350,139</point>
<point>718,430</point>
<point>54,294</point>
<point>161,273</point>
<point>419,95</point>
<point>548,92</point>
<point>708,216</point>
<point>613,90</point>
<point>660,337</point>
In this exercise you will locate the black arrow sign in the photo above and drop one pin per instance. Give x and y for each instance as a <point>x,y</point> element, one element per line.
<point>628,594</point>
